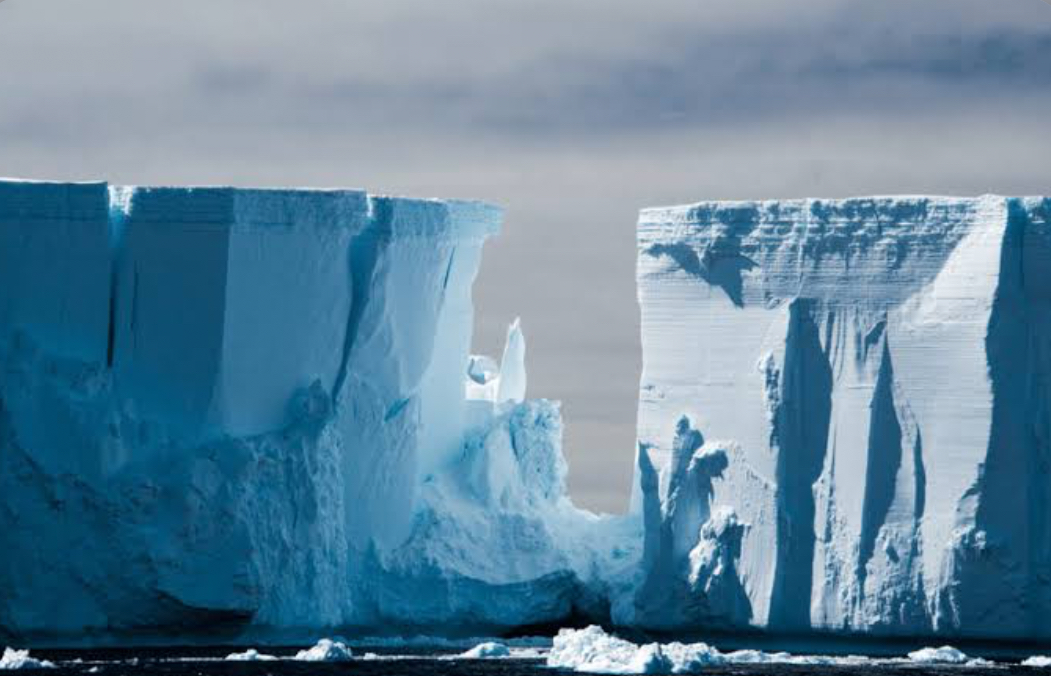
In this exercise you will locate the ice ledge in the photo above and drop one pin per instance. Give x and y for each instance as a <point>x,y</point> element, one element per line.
<point>48,201</point>
<point>262,207</point>
<point>703,210</point>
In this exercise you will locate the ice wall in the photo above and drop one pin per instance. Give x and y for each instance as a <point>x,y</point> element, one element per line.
<point>874,373</point>
<point>230,300</point>
<point>55,259</point>
<point>227,410</point>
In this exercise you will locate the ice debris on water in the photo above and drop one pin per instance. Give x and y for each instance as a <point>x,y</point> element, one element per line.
<point>326,650</point>
<point>250,655</point>
<point>946,654</point>
<point>592,650</point>
<point>486,650</point>
<point>20,659</point>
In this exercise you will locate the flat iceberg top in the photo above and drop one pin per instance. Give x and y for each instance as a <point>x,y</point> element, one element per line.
<point>226,206</point>
<point>877,250</point>
<point>706,209</point>
<point>47,200</point>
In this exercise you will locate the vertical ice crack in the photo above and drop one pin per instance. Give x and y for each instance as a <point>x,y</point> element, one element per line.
<point>883,462</point>
<point>802,428</point>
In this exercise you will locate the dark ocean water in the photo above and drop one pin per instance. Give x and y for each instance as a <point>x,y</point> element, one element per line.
<point>208,662</point>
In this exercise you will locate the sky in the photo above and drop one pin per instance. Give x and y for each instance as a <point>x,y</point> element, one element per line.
<point>572,114</point>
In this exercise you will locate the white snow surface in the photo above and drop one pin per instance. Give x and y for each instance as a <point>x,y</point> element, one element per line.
<point>19,659</point>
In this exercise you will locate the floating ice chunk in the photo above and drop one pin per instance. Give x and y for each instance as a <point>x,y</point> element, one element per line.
<point>20,659</point>
<point>326,650</point>
<point>521,643</point>
<point>757,657</point>
<point>1037,661</point>
<point>593,651</point>
<point>943,655</point>
<point>760,657</point>
<point>487,650</point>
<point>250,655</point>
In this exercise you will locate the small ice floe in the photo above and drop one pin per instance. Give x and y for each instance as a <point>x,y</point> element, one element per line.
<point>943,655</point>
<point>1037,661</point>
<point>760,657</point>
<point>592,650</point>
<point>487,650</point>
<point>250,655</point>
<point>20,659</point>
<point>326,650</point>
<point>423,641</point>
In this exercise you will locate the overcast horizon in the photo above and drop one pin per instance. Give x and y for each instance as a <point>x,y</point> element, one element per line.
<point>572,116</point>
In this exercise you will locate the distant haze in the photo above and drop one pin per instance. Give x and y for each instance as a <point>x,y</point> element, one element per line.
<point>573,115</point>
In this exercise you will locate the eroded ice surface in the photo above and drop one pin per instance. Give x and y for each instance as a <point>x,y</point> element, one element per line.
<point>325,650</point>
<point>250,655</point>
<point>844,416</point>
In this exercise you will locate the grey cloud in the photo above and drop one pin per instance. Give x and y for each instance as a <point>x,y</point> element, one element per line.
<point>571,114</point>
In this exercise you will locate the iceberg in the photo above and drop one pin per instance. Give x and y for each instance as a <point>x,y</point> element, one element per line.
<point>255,410</point>
<point>845,417</point>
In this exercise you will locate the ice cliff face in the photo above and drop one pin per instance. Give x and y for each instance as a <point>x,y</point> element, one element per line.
<point>845,416</point>
<point>250,408</point>
<point>256,410</point>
